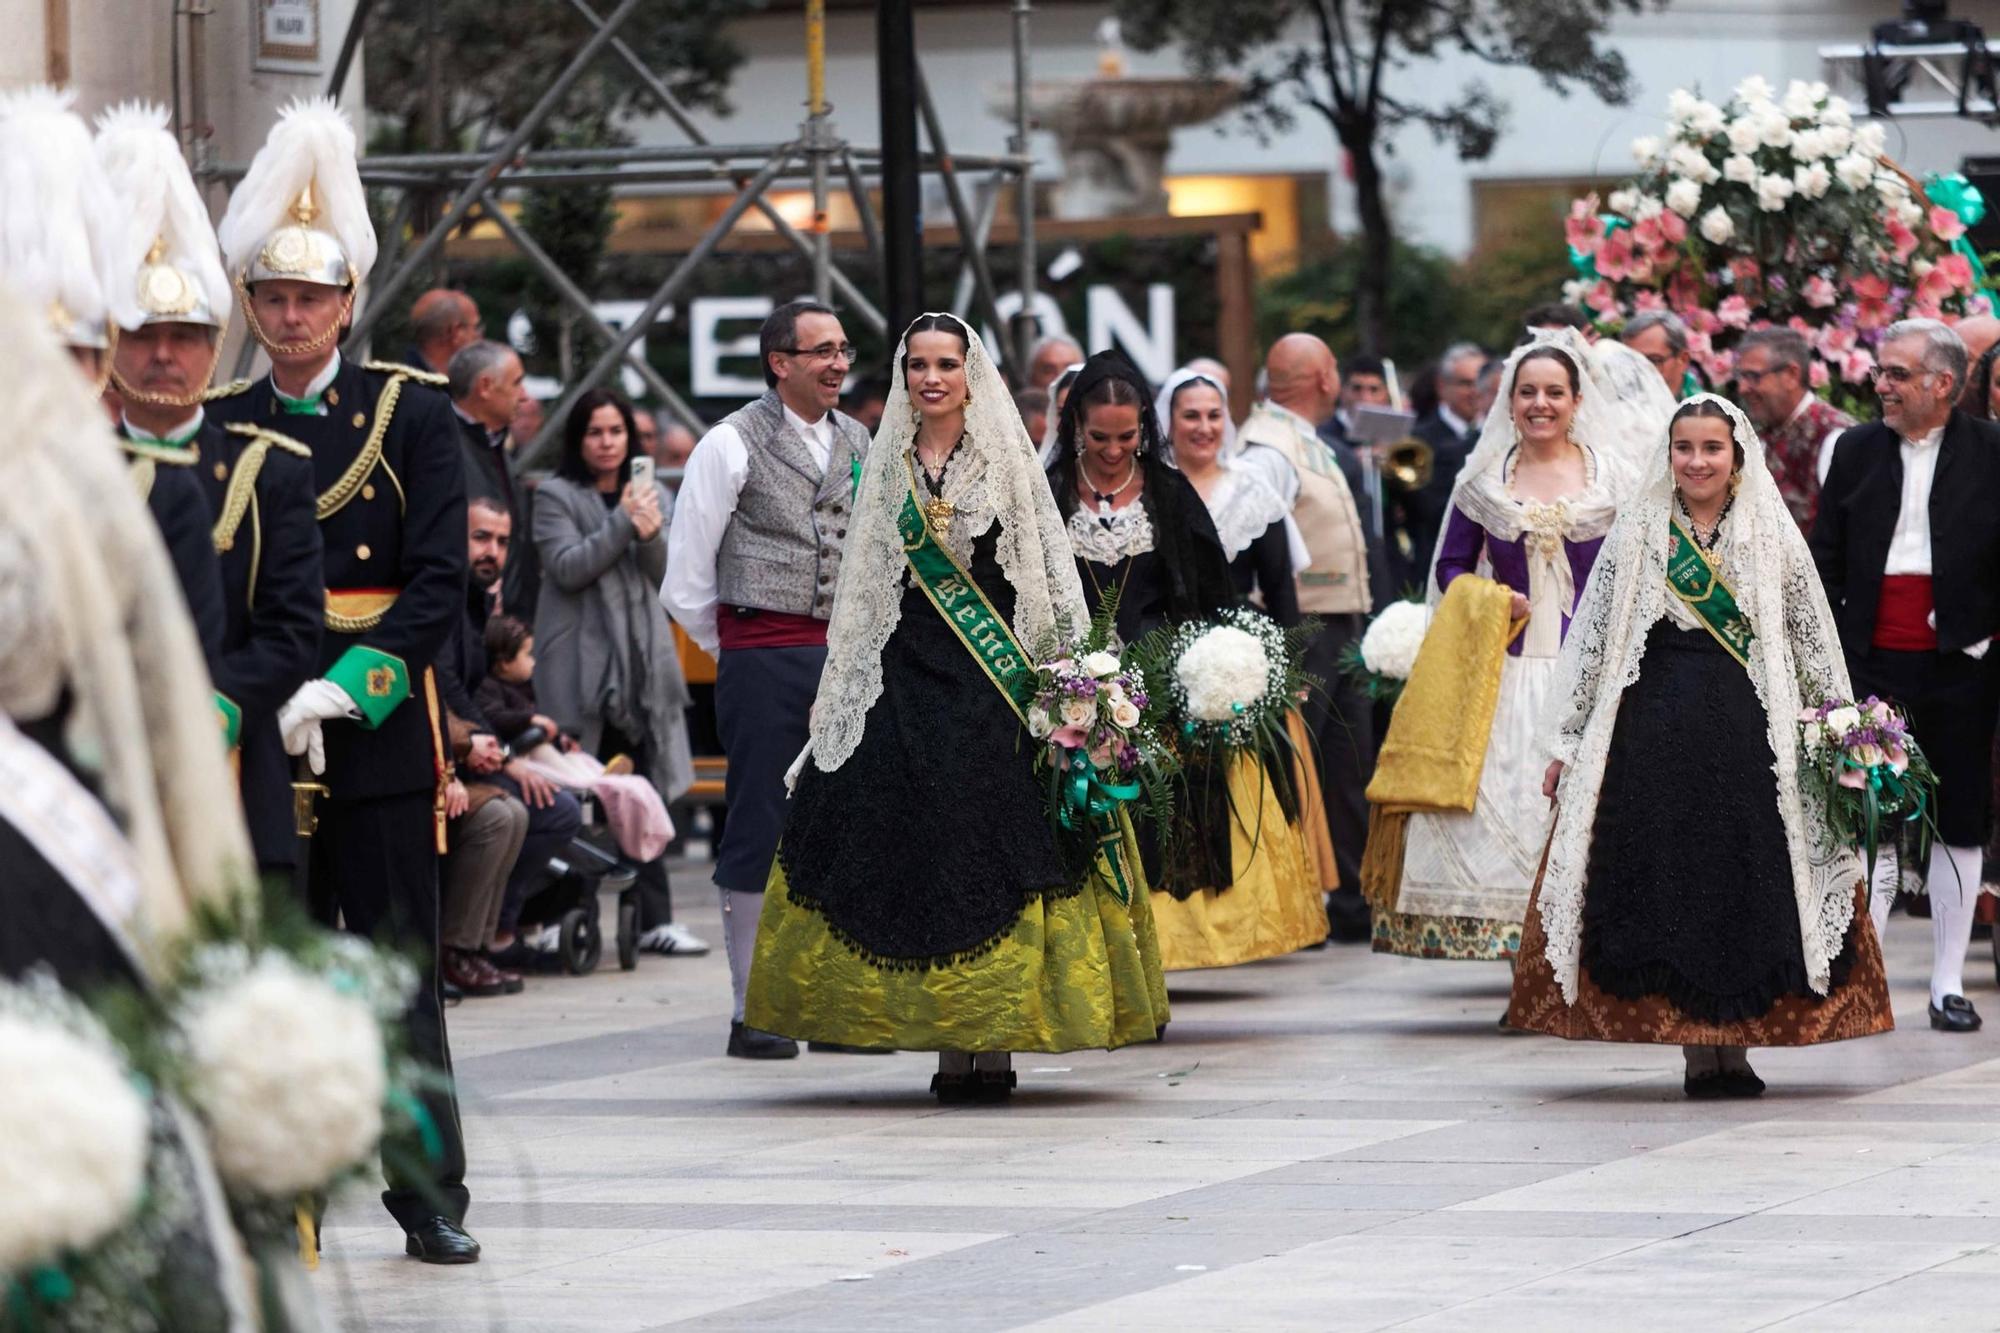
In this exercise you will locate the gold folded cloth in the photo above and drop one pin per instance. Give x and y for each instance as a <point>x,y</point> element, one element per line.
<point>1436,746</point>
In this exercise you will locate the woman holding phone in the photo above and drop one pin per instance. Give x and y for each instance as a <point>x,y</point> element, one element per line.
<point>606,668</point>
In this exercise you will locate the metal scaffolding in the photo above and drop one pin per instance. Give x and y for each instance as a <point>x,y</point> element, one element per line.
<point>819,157</point>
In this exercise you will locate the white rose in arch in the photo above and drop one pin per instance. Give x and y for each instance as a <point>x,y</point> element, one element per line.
<point>1812,181</point>
<point>1740,168</point>
<point>1716,226</point>
<point>1855,171</point>
<point>1684,197</point>
<point>1773,192</point>
<point>1744,135</point>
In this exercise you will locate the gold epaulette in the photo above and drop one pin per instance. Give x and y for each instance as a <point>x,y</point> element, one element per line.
<point>271,437</point>
<point>179,455</point>
<point>228,390</point>
<point>411,372</point>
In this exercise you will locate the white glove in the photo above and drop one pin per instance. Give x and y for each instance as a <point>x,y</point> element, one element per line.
<point>299,720</point>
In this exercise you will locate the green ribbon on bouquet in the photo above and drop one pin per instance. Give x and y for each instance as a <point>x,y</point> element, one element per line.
<point>1085,800</point>
<point>1882,778</point>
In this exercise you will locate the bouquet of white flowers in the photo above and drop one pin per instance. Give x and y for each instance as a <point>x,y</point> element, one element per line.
<point>1862,763</point>
<point>1380,662</point>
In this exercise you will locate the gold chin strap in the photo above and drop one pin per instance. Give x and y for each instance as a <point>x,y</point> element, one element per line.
<point>307,348</point>
<point>194,398</point>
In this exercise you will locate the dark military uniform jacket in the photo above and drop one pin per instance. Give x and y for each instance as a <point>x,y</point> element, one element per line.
<point>391,508</point>
<point>259,484</point>
<point>165,477</point>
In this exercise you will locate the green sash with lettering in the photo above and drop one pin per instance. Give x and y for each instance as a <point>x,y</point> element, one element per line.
<point>965,608</point>
<point>1693,577</point>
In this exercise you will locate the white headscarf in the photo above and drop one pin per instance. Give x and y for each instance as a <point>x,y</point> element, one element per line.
<point>1796,661</point>
<point>996,478</point>
<point>1052,420</point>
<point>1163,412</point>
<point>88,603</point>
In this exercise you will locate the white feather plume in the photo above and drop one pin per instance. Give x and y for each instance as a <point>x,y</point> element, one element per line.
<point>146,170</point>
<point>312,144</point>
<point>63,234</point>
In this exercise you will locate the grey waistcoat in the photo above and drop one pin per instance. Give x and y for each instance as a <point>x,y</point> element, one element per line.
<point>781,550</point>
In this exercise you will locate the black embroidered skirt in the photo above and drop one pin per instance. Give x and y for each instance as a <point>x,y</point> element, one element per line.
<point>923,847</point>
<point>1689,892</point>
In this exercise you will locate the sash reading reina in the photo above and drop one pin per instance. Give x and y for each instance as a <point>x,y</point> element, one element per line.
<point>965,608</point>
<point>1693,577</point>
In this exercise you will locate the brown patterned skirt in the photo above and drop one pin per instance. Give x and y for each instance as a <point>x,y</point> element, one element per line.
<point>1857,1008</point>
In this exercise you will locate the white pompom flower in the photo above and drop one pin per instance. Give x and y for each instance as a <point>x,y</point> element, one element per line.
<point>289,1075</point>
<point>75,1131</point>
<point>1223,672</point>
<point>1389,647</point>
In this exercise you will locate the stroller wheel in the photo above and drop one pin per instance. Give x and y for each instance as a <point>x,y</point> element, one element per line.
<point>628,932</point>
<point>582,943</point>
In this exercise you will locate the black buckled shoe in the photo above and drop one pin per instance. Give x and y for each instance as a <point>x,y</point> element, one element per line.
<point>439,1240</point>
<point>1956,1015</point>
<point>1709,1087</point>
<point>748,1043</point>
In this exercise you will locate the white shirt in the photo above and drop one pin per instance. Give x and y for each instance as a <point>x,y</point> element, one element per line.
<point>180,432</point>
<point>710,485</point>
<point>1459,426</point>
<point>1910,545</point>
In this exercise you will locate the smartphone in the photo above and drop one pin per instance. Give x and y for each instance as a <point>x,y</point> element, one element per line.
<point>642,472</point>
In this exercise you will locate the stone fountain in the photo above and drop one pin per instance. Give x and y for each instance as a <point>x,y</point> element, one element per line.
<point>1114,130</point>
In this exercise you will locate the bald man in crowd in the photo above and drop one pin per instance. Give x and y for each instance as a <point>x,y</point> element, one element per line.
<point>1303,388</point>
<point>441,322</point>
<point>1050,358</point>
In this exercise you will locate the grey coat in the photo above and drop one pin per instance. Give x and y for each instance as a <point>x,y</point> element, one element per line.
<point>603,649</point>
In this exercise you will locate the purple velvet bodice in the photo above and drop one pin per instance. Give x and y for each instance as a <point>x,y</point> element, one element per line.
<point>1458,553</point>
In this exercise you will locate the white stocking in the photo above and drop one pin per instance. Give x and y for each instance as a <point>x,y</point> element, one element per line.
<point>1953,898</point>
<point>1701,1060</point>
<point>739,939</point>
<point>1882,893</point>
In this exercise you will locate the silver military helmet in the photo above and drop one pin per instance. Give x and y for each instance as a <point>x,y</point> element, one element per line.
<point>173,265</point>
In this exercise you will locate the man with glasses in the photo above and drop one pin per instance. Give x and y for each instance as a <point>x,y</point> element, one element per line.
<point>1773,369</point>
<point>1661,337</point>
<point>752,558</point>
<point>1909,550</point>
<point>1450,430</point>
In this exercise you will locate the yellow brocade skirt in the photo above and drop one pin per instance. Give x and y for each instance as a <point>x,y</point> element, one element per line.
<point>1274,907</point>
<point>1075,973</point>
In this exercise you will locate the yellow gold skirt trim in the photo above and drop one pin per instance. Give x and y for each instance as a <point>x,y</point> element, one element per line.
<point>1274,907</point>
<point>1076,973</point>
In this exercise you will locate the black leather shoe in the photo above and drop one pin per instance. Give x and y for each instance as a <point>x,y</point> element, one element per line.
<point>1957,1015</point>
<point>1347,918</point>
<point>1709,1087</point>
<point>439,1240</point>
<point>842,1048</point>
<point>748,1043</point>
<point>953,1089</point>
<point>1740,1083</point>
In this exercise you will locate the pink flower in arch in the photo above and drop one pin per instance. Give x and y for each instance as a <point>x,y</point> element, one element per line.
<point>1946,225</point>
<point>1582,228</point>
<point>1817,374</point>
<point>1957,270</point>
<point>1819,293</point>
<point>1734,312</point>
<point>1615,258</point>
<point>1870,286</point>
<point>1933,288</point>
<point>1903,239</point>
<point>1673,227</point>
<point>1649,299</point>
<point>1745,269</point>
<point>1835,342</point>
<point>1702,320</point>
<point>1854,367</point>
<point>1601,298</point>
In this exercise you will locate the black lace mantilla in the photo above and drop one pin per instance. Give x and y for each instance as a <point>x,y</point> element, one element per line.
<point>922,849</point>
<point>1689,893</point>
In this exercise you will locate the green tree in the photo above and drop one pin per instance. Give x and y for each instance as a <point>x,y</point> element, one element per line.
<point>480,68</point>
<point>1350,70</point>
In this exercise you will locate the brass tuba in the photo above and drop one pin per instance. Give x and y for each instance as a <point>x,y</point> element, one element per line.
<point>1408,464</point>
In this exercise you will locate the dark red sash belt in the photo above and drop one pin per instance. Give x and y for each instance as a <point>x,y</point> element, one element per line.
<point>1903,615</point>
<point>767,629</point>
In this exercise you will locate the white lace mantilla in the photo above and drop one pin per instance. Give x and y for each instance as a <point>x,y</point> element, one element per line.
<point>1126,533</point>
<point>995,478</point>
<point>1796,660</point>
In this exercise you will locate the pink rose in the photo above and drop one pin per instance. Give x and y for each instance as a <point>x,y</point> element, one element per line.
<point>1904,240</point>
<point>1820,293</point>
<point>1734,312</point>
<point>1853,777</point>
<point>1582,227</point>
<point>1835,341</point>
<point>1817,374</point>
<point>1703,320</point>
<point>1649,300</point>
<point>1700,343</point>
<point>1673,227</point>
<point>1946,225</point>
<point>1854,367</point>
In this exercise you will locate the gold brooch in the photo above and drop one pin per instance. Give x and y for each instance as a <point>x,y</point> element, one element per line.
<point>381,682</point>
<point>937,514</point>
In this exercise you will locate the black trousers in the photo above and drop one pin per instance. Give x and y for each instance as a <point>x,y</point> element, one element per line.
<point>763,701</point>
<point>375,869</point>
<point>1952,701</point>
<point>1342,722</point>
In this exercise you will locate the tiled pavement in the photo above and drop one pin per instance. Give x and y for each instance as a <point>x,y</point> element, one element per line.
<point>1328,1141</point>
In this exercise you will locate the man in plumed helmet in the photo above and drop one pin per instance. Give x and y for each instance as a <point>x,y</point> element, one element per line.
<point>63,237</point>
<point>391,506</point>
<point>257,482</point>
